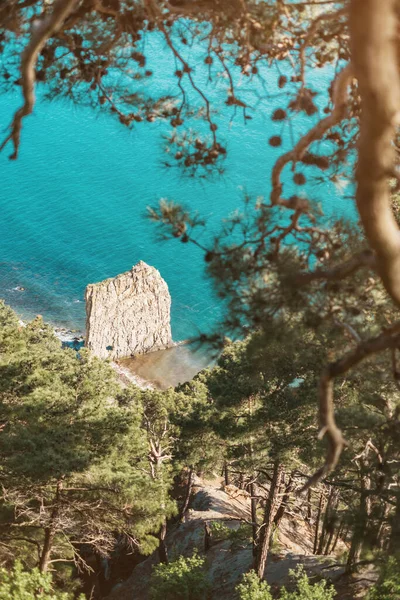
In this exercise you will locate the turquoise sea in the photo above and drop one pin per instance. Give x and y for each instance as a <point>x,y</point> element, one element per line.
<point>73,205</point>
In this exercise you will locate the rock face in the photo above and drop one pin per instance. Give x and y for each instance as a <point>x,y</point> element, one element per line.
<point>129,314</point>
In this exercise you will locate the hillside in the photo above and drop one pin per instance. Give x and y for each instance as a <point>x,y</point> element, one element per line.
<point>226,561</point>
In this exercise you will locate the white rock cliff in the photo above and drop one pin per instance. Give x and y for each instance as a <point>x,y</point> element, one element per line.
<point>128,314</point>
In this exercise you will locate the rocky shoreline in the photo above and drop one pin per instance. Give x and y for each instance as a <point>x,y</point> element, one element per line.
<point>66,335</point>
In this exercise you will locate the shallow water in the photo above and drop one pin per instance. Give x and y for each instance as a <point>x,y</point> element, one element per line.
<point>73,205</point>
<point>169,368</point>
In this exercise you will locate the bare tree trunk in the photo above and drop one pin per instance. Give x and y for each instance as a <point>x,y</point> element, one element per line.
<point>266,529</point>
<point>380,531</point>
<point>47,549</point>
<point>325,523</point>
<point>329,542</point>
<point>338,535</point>
<point>331,521</point>
<point>359,527</point>
<point>345,533</point>
<point>188,493</point>
<point>284,503</point>
<point>394,541</point>
<point>374,44</point>
<point>309,505</point>
<point>50,531</point>
<point>207,537</point>
<point>226,474</point>
<point>317,522</point>
<point>254,502</point>
<point>162,547</point>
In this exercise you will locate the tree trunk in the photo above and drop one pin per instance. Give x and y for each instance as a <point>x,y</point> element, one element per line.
<point>374,46</point>
<point>309,505</point>
<point>162,547</point>
<point>207,537</point>
<point>394,541</point>
<point>226,474</point>
<point>360,526</point>
<point>379,534</point>
<point>46,550</point>
<point>254,526</point>
<point>50,531</point>
<point>266,529</point>
<point>329,542</point>
<point>331,523</point>
<point>284,503</point>
<point>317,522</point>
<point>188,493</point>
<point>338,535</point>
<point>324,524</point>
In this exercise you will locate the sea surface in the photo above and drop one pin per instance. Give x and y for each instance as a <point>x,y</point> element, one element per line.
<point>73,205</point>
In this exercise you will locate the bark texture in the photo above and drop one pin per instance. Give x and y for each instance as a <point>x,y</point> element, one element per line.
<point>374,41</point>
<point>129,314</point>
<point>268,521</point>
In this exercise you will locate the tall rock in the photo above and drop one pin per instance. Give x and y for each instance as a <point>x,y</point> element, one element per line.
<point>129,314</point>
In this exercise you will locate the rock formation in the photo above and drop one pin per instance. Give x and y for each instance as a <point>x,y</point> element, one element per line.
<point>128,314</point>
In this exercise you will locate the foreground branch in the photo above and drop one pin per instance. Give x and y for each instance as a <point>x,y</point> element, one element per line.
<point>340,98</point>
<point>41,32</point>
<point>386,340</point>
<point>322,18</point>
<point>374,45</point>
<point>365,259</point>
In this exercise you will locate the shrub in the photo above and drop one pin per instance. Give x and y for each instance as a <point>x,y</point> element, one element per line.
<point>219,531</point>
<point>307,591</point>
<point>239,537</point>
<point>29,585</point>
<point>252,588</point>
<point>182,579</point>
<point>388,586</point>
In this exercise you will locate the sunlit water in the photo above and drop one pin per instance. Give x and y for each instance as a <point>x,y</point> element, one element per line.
<point>73,205</point>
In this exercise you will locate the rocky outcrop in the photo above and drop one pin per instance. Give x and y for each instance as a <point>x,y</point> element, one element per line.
<point>227,560</point>
<point>129,314</point>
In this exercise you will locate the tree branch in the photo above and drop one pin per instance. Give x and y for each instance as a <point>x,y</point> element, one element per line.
<point>40,33</point>
<point>363,259</point>
<point>328,16</point>
<point>374,44</point>
<point>340,98</point>
<point>387,339</point>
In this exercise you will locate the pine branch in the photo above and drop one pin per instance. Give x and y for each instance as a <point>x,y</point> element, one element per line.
<point>40,34</point>
<point>340,98</point>
<point>336,442</point>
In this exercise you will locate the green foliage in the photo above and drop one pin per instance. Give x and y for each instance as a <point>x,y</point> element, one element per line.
<point>219,530</point>
<point>252,588</point>
<point>239,537</point>
<point>182,579</point>
<point>307,591</point>
<point>75,455</point>
<point>388,586</point>
<point>19,584</point>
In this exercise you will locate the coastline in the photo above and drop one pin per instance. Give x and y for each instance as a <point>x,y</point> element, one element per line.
<point>157,370</point>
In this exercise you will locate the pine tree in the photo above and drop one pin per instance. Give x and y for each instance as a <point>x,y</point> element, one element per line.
<point>74,454</point>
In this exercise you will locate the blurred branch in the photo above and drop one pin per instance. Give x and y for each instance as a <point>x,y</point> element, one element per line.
<point>363,259</point>
<point>389,338</point>
<point>41,32</point>
<point>328,16</point>
<point>374,40</point>
<point>340,98</point>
